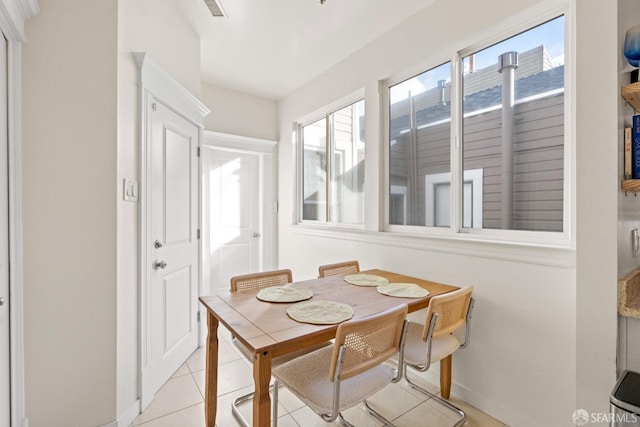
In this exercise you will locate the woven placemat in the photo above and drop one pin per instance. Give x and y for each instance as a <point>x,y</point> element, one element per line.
<point>320,312</point>
<point>364,279</point>
<point>284,294</point>
<point>402,290</point>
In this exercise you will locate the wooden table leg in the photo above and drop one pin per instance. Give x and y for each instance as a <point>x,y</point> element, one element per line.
<point>445,377</point>
<point>211,373</point>
<point>261,399</point>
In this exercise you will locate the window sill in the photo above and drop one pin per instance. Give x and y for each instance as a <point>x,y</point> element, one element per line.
<point>480,245</point>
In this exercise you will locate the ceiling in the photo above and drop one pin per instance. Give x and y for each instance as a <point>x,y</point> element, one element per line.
<point>269,48</point>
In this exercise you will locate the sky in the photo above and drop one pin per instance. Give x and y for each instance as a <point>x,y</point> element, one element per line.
<point>549,34</point>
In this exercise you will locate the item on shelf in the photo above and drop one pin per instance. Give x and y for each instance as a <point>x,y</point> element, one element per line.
<point>635,147</point>
<point>631,51</point>
<point>632,45</point>
<point>627,153</point>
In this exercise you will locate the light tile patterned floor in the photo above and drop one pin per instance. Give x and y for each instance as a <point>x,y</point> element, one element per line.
<point>179,403</point>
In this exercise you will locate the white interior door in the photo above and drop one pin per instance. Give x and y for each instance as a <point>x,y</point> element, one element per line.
<point>233,214</point>
<point>172,246</point>
<point>5,367</point>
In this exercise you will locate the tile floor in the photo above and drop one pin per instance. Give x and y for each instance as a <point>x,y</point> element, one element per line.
<point>179,403</point>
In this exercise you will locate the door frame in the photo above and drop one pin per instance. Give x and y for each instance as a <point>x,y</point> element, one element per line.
<point>158,85</point>
<point>13,15</point>
<point>265,149</point>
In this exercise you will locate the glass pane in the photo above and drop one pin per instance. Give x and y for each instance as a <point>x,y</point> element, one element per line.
<point>314,181</point>
<point>442,212</point>
<point>419,146</point>
<point>347,164</point>
<point>513,130</point>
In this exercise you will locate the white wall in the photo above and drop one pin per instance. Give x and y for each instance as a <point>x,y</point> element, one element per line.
<point>81,239</point>
<point>595,103</point>
<point>628,206</point>
<point>69,175</point>
<point>239,113</point>
<point>531,361</point>
<point>155,27</point>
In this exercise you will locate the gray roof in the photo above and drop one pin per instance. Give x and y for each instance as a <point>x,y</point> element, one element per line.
<point>538,83</point>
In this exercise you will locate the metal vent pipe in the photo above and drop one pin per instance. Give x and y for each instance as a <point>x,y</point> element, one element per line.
<point>507,64</point>
<point>442,88</point>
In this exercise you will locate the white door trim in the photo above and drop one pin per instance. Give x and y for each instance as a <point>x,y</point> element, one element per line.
<point>155,83</point>
<point>245,143</point>
<point>13,15</point>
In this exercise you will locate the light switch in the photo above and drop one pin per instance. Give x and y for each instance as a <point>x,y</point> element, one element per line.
<point>130,190</point>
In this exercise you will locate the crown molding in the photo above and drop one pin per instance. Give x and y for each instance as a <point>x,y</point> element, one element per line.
<point>168,90</point>
<point>13,15</point>
<point>29,8</point>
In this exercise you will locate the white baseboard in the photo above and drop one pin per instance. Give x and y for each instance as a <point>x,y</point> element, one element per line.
<point>491,407</point>
<point>495,409</point>
<point>127,417</point>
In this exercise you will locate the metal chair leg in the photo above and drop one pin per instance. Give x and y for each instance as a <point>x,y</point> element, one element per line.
<point>247,397</point>
<point>274,404</point>
<point>343,421</point>
<point>452,407</point>
<point>377,415</point>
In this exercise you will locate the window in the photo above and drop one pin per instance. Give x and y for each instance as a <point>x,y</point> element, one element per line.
<point>420,141</point>
<point>509,165</point>
<point>513,128</point>
<point>333,167</point>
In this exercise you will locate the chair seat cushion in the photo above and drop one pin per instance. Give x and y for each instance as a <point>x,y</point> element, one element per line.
<point>415,350</point>
<point>308,378</point>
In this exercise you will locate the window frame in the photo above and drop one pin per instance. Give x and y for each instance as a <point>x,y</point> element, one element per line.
<point>298,126</point>
<point>513,27</point>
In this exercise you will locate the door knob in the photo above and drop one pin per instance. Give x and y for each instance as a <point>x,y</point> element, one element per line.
<point>157,265</point>
<point>157,244</point>
<point>1,301</point>
<point>256,234</point>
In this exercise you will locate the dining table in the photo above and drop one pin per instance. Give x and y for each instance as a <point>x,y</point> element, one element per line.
<point>266,330</point>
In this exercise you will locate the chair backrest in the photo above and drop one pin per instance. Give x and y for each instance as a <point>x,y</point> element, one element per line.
<point>261,280</point>
<point>369,341</point>
<point>338,268</point>
<point>452,309</point>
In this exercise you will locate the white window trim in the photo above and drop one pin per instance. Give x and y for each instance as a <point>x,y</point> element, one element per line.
<point>538,248</point>
<point>531,252</point>
<point>322,113</point>
<point>513,26</point>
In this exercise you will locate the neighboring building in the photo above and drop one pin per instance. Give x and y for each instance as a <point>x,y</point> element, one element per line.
<point>538,148</point>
